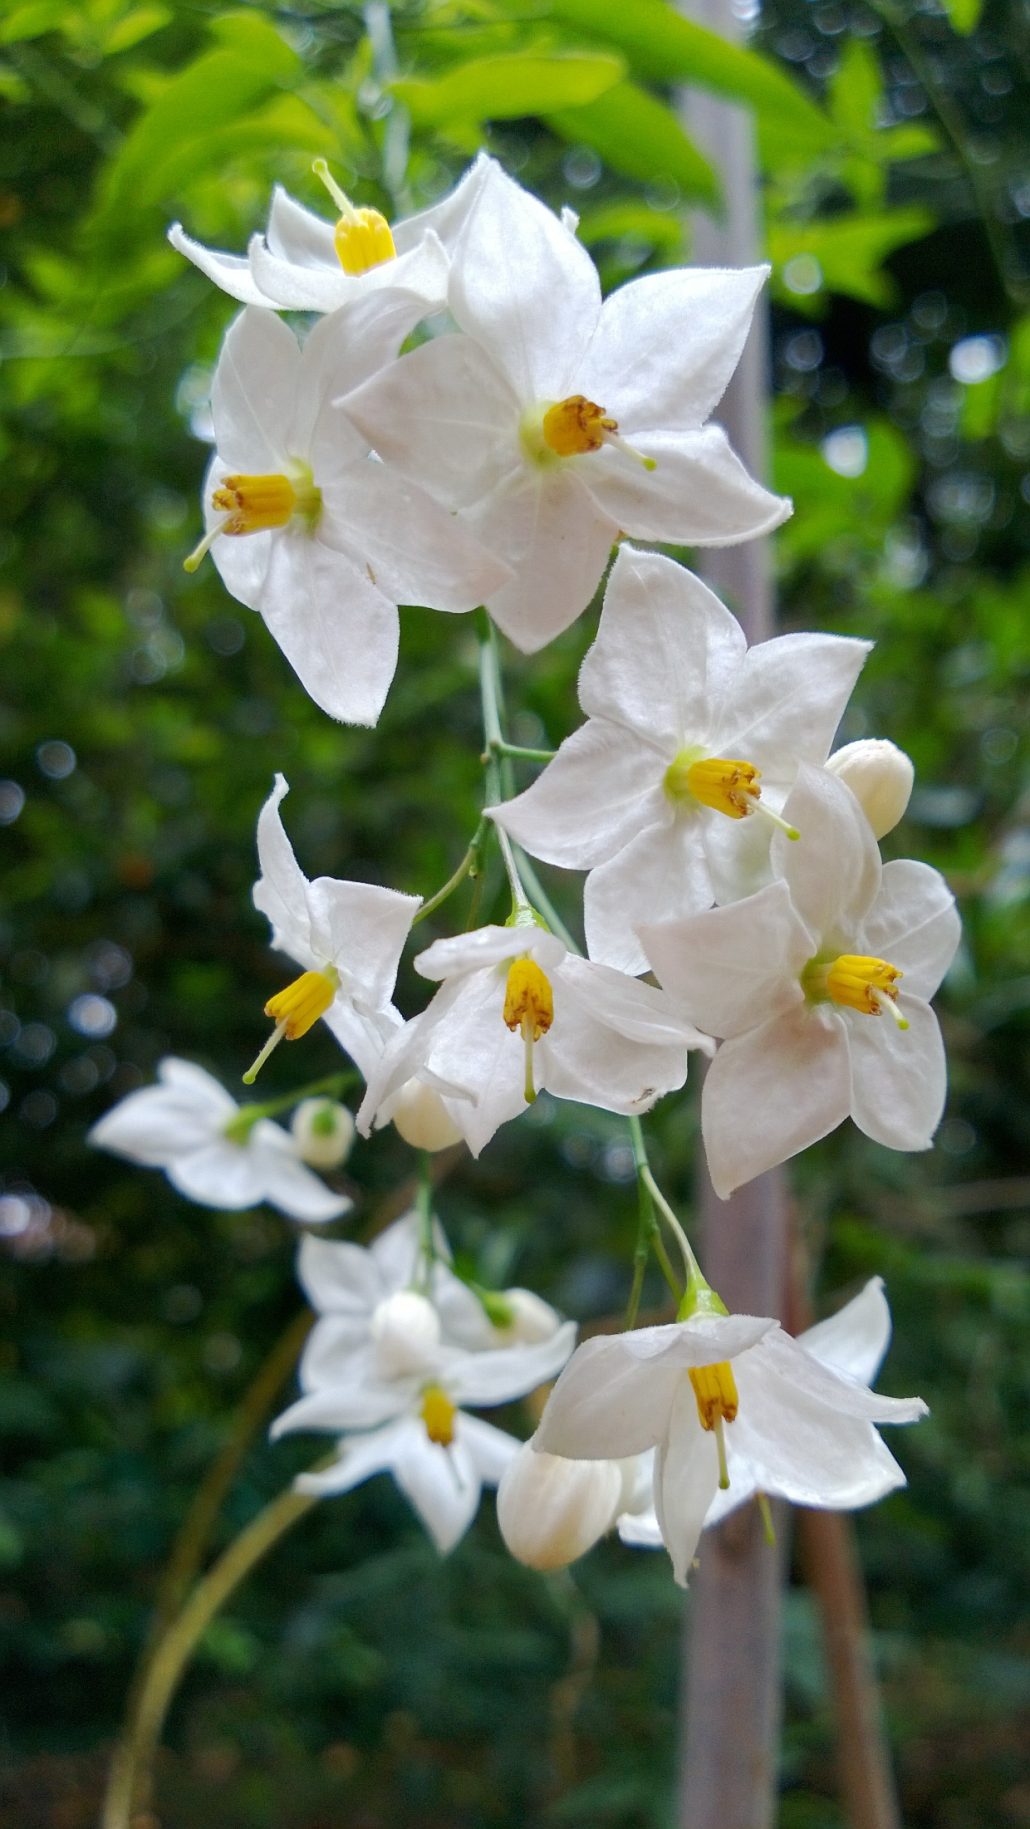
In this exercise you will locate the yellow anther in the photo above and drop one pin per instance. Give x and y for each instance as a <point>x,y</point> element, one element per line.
<point>254,503</point>
<point>715,1389</point>
<point>438,1413</point>
<point>723,783</point>
<point>529,1006</point>
<point>575,425</point>
<point>294,1010</point>
<point>860,982</point>
<point>362,237</point>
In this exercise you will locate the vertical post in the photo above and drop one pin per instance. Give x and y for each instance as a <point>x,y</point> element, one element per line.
<point>731,1692</point>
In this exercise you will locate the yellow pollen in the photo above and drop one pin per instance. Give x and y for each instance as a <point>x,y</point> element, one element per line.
<point>725,784</point>
<point>254,503</point>
<point>294,1010</point>
<point>529,1006</point>
<point>438,1414</point>
<point>863,983</point>
<point>573,426</point>
<point>715,1389</point>
<point>362,237</point>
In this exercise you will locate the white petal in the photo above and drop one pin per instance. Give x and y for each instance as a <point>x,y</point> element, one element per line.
<point>229,271</point>
<point>771,1092</point>
<point>492,1450</point>
<point>789,700</point>
<point>471,1046</point>
<point>778,1357</point>
<point>443,1484</point>
<point>666,345</point>
<point>338,1277</point>
<point>253,391</point>
<point>914,924</point>
<point>447,217</point>
<point>339,353</point>
<point>337,630</point>
<point>525,288</point>
<point>422,272</point>
<point>487,946</point>
<point>797,1449</point>
<point>223,1175</point>
<point>604,783</point>
<point>415,550</point>
<point>350,1405</point>
<point>361,928</point>
<point>686,1478</point>
<point>281,891</point>
<point>833,869</point>
<point>732,968</point>
<point>287,1183</point>
<point>361,1456</point>
<point>297,234</point>
<point>396,1253</point>
<point>445,416</point>
<point>635,1012</point>
<point>856,1338</point>
<point>698,494</point>
<point>704,1340</point>
<point>482,1379</point>
<point>547,527</point>
<point>336,1351</point>
<point>660,875</point>
<point>899,1077</point>
<point>589,1057</point>
<point>667,651</point>
<point>607,1404</point>
<point>551,1510</point>
<point>158,1123</point>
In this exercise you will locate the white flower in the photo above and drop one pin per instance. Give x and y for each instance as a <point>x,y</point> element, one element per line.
<point>420,1115</point>
<point>688,731</point>
<point>211,1152</point>
<point>305,527</point>
<point>323,1131</point>
<point>558,423</point>
<point>303,263</point>
<point>703,1390</point>
<point>412,1425</point>
<point>880,775</point>
<point>551,1510</point>
<point>820,983</point>
<point>518,1012</point>
<point>347,937</point>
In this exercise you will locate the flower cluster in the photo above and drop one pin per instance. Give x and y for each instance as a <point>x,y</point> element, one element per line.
<point>734,901</point>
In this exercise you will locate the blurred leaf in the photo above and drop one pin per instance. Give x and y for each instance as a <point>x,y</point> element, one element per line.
<point>507,87</point>
<point>639,136</point>
<point>856,89</point>
<point>849,250</point>
<point>964,14</point>
<point>632,221</point>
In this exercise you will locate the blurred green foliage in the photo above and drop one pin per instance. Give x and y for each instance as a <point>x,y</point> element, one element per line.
<point>142,715</point>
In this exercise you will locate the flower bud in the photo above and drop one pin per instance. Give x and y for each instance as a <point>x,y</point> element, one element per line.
<point>523,1319</point>
<point>551,1510</point>
<point>880,776</point>
<point>405,1330</point>
<point>323,1132</point>
<point>422,1118</point>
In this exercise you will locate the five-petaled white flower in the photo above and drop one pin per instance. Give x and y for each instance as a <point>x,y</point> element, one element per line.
<point>556,423</point>
<point>303,263</point>
<point>305,526</point>
<point>348,937</point>
<point>211,1150</point>
<point>820,984</point>
<point>516,1013</point>
<point>719,1395</point>
<point>688,732</point>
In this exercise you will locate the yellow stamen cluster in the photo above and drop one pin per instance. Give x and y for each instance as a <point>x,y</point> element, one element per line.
<point>861,982</point>
<point>574,426</point>
<point>529,1006</point>
<point>438,1414</point>
<point>254,503</point>
<point>715,1389</point>
<point>294,1010</point>
<point>723,783</point>
<point>362,237</point>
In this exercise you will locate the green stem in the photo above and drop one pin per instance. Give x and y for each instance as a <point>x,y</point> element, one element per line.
<point>130,1771</point>
<point>239,1127</point>
<point>489,691</point>
<point>467,867</point>
<point>543,903</point>
<point>501,747</point>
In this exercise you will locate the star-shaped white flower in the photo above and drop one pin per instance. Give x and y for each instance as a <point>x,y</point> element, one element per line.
<point>688,732</point>
<point>556,423</point>
<point>347,937</point>
<point>303,263</point>
<point>516,1013</point>
<point>190,1127</point>
<point>853,1343</point>
<point>305,527</point>
<point>820,984</point>
<point>703,1389</point>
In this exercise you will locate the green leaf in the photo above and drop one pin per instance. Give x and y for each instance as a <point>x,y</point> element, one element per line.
<point>856,90</point>
<point>849,251</point>
<point>629,221</point>
<point>964,14</point>
<point>640,137</point>
<point>507,87</point>
<point>32,20</point>
<point>137,25</point>
<point>662,46</point>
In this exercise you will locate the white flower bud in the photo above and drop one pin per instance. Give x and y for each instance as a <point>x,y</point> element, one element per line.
<point>527,1318</point>
<point>405,1330</point>
<point>880,776</point>
<point>422,1118</point>
<point>323,1132</point>
<point>551,1510</point>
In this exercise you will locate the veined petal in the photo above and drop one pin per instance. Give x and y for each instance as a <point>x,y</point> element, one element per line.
<point>604,783</point>
<point>415,550</point>
<point>914,923</point>
<point>253,391</point>
<point>666,653</point>
<point>281,891</point>
<point>607,1404</point>
<point>899,1077</point>
<point>732,968</point>
<point>856,1338</point>
<point>666,345</point>
<point>338,631</point>
<point>833,871</point>
<point>422,272</point>
<point>771,1092</point>
<point>698,494</point>
<point>444,416</point>
<point>548,528</point>
<point>686,1478</point>
<point>661,873</point>
<point>788,701</point>
<point>524,288</point>
<point>231,272</point>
